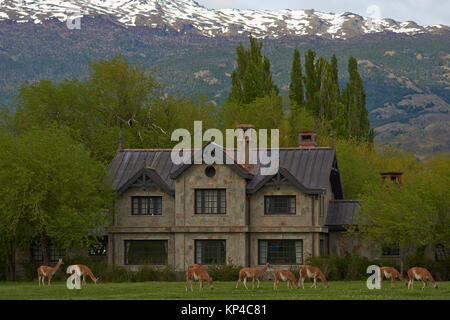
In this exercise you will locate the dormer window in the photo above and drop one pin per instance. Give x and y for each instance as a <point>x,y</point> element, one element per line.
<point>279,204</point>
<point>146,206</point>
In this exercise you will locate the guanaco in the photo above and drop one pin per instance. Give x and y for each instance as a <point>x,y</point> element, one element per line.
<point>86,271</point>
<point>253,273</point>
<point>418,273</point>
<point>391,273</point>
<point>311,272</point>
<point>198,272</point>
<point>285,275</point>
<point>46,271</point>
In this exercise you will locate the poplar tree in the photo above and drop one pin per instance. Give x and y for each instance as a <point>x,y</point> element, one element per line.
<point>310,82</point>
<point>252,77</point>
<point>354,99</point>
<point>296,91</point>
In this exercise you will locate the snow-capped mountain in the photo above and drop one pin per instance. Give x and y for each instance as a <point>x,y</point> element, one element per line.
<point>189,16</point>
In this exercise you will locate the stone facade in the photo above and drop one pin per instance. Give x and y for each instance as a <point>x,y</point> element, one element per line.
<point>242,226</point>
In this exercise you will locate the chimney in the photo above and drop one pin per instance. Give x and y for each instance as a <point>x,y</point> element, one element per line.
<point>393,176</point>
<point>245,127</point>
<point>307,139</point>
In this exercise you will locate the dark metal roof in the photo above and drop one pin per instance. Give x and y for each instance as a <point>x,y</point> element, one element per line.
<point>226,158</point>
<point>127,163</point>
<point>310,169</point>
<point>341,213</point>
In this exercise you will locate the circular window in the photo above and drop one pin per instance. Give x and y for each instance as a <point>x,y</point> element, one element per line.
<point>210,171</point>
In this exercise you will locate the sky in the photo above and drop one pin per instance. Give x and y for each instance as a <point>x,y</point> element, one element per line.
<point>424,12</point>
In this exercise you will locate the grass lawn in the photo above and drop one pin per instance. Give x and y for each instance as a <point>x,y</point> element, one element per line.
<point>222,291</point>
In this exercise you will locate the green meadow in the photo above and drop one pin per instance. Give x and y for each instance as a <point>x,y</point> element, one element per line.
<point>225,290</point>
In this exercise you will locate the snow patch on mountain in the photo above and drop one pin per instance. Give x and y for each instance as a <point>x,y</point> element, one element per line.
<point>188,14</point>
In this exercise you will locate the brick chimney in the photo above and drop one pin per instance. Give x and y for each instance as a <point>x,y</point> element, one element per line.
<point>246,127</point>
<point>307,139</point>
<point>393,176</point>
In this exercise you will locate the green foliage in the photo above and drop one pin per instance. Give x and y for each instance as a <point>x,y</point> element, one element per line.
<point>348,267</point>
<point>346,114</point>
<point>58,191</point>
<point>360,164</point>
<point>116,97</point>
<point>224,272</point>
<point>296,90</point>
<point>414,214</point>
<point>252,77</point>
<point>354,100</point>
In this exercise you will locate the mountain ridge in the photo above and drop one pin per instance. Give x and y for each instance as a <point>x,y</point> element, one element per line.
<point>406,76</point>
<point>189,16</point>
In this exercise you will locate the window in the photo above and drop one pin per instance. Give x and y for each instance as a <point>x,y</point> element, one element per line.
<point>391,251</point>
<point>210,201</point>
<point>99,249</point>
<point>280,251</point>
<point>54,253</point>
<point>36,253</point>
<point>279,204</point>
<point>210,252</point>
<point>210,171</point>
<point>441,252</point>
<point>145,252</point>
<point>146,205</point>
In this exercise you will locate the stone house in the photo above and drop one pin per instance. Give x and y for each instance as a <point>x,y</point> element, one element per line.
<point>209,214</point>
<point>176,215</point>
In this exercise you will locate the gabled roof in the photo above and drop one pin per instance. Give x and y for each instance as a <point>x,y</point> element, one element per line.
<point>129,164</point>
<point>144,178</point>
<point>239,169</point>
<point>341,213</point>
<point>309,169</point>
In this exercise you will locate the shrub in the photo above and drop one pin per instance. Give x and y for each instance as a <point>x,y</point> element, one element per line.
<point>348,267</point>
<point>224,272</point>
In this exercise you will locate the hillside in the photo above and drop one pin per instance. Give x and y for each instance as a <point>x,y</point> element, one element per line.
<point>407,77</point>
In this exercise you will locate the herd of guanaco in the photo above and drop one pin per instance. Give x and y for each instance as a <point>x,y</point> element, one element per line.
<point>46,271</point>
<point>198,272</point>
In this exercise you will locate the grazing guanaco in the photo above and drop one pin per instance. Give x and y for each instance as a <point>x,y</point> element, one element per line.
<point>418,273</point>
<point>311,272</point>
<point>391,273</point>
<point>285,275</point>
<point>253,273</point>
<point>198,272</point>
<point>86,271</point>
<point>46,271</point>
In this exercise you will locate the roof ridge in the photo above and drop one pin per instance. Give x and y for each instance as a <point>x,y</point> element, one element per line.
<point>170,149</point>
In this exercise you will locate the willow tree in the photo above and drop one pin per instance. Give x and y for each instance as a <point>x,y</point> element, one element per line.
<point>58,192</point>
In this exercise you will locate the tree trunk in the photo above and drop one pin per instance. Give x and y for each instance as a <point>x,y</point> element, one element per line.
<point>44,248</point>
<point>11,261</point>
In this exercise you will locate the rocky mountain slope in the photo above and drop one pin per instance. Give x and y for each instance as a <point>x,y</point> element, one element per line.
<point>189,16</point>
<point>406,75</point>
